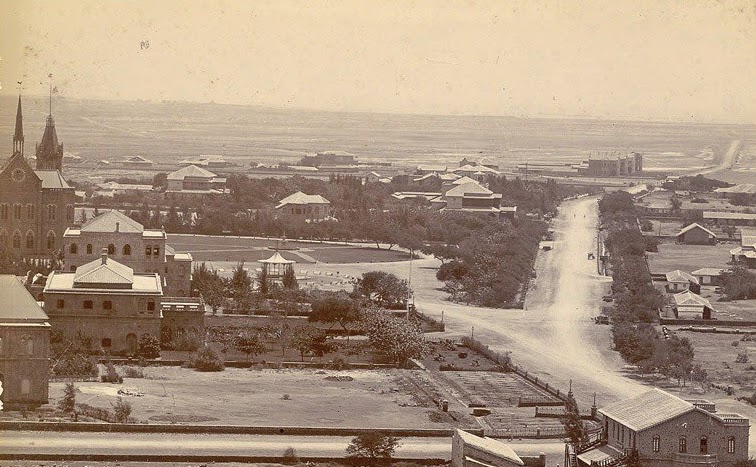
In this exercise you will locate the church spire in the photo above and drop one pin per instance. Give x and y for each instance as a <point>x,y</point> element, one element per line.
<point>49,153</point>
<point>18,135</point>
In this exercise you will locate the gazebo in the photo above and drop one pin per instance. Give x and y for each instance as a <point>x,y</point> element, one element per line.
<point>276,266</point>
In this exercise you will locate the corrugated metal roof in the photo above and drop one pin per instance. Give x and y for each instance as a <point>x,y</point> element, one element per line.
<point>107,223</point>
<point>17,303</point>
<point>190,171</point>
<point>647,409</point>
<point>680,276</point>
<point>688,298</point>
<point>468,188</point>
<point>695,225</point>
<point>107,272</point>
<point>302,198</point>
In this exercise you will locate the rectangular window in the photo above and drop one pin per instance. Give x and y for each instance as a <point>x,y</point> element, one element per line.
<point>150,306</point>
<point>61,304</point>
<point>731,444</point>
<point>87,304</point>
<point>656,444</point>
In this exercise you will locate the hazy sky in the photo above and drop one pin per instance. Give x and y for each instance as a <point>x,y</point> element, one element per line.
<point>656,60</point>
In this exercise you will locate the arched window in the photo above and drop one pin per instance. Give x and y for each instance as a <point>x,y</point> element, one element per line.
<point>111,249</point>
<point>17,211</point>
<point>106,343</point>
<point>731,444</point>
<point>150,306</point>
<point>4,211</point>
<point>16,239</point>
<point>148,251</point>
<point>74,249</point>
<point>51,212</point>
<point>656,443</point>
<point>3,238</point>
<point>87,304</point>
<point>61,303</point>
<point>30,211</point>
<point>704,445</point>
<point>683,448</point>
<point>89,248</point>
<point>156,250</point>
<point>69,212</point>
<point>29,239</point>
<point>107,305</point>
<point>126,250</point>
<point>50,240</point>
<point>25,386</point>
<point>27,345</point>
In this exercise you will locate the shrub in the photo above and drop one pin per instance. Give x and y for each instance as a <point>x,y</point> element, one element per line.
<point>121,410</point>
<point>111,375</point>
<point>373,445</point>
<point>149,346</point>
<point>735,343</point>
<point>67,403</point>
<point>742,357</point>
<point>207,359</point>
<point>133,372</point>
<point>188,341</point>
<point>73,364</point>
<point>290,456</point>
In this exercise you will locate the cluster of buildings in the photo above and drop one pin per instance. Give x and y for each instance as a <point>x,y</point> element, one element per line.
<point>597,165</point>
<point>119,280</point>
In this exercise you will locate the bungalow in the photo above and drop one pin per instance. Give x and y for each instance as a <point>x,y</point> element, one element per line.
<point>472,197</point>
<point>195,181</point>
<point>373,177</point>
<point>746,252</point>
<point>430,179</point>
<point>667,431</point>
<point>137,162</point>
<point>708,276</point>
<point>695,234</point>
<point>426,169</point>
<point>680,281</point>
<point>305,207</point>
<point>689,305</point>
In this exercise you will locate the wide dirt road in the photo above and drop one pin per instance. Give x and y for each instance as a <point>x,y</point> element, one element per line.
<point>554,336</point>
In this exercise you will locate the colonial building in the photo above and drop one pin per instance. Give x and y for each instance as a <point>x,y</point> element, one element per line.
<point>24,346</point>
<point>667,431</point>
<point>193,181</point>
<point>304,207</point>
<point>124,239</point>
<point>36,205</point>
<point>689,305</point>
<point>695,234</point>
<point>107,302</point>
<point>601,165</point>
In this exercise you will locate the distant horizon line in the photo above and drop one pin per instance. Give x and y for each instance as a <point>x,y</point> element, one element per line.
<point>388,112</point>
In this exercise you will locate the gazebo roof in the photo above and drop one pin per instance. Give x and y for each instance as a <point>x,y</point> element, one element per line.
<point>277,259</point>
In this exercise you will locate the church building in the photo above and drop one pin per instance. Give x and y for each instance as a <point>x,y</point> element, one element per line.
<point>36,204</point>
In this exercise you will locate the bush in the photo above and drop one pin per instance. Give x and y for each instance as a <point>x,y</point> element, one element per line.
<point>188,341</point>
<point>133,372</point>
<point>149,346</point>
<point>290,456</point>
<point>373,445</point>
<point>207,359</point>
<point>67,403</point>
<point>111,375</point>
<point>121,410</point>
<point>735,343</point>
<point>742,357</point>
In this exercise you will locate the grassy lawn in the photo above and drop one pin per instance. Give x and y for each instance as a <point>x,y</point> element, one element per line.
<point>266,397</point>
<point>688,258</point>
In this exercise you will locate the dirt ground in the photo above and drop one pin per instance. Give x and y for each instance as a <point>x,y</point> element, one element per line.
<point>688,258</point>
<point>265,397</point>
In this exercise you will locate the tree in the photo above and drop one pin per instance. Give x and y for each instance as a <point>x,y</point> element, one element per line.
<point>160,180</point>
<point>207,359</point>
<point>384,288</point>
<point>309,339</point>
<point>335,307</point>
<point>67,403</point>
<point>121,410</point>
<point>373,445</point>
<point>262,279</point>
<point>289,280</point>
<point>739,283</point>
<point>249,343</point>
<point>396,339</point>
<point>149,346</point>
<point>573,424</point>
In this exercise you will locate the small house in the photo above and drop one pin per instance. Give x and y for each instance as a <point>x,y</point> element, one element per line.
<point>304,207</point>
<point>746,252</point>
<point>695,234</point>
<point>680,281</point>
<point>689,305</point>
<point>708,276</point>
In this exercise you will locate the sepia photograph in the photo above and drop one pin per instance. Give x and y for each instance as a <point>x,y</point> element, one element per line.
<point>394,233</point>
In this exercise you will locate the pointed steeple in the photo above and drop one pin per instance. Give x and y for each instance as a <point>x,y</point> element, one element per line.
<point>18,135</point>
<point>49,152</point>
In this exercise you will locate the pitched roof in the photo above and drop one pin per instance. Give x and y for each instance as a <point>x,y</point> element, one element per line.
<point>696,225</point>
<point>748,188</point>
<point>52,179</point>
<point>688,298</point>
<point>277,259</point>
<point>707,272</point>
<point>491,446</point>
<point>647,409</point>
<point>103,271</point>
<point>463,180</point>
<point>190,171</point>
<point>18,304</point>
<point>49,143</point>
<point>108,222</point>
<point>302,198</point>
<point>728,215</point>
<point>469,188</point>
<point>680,276</point>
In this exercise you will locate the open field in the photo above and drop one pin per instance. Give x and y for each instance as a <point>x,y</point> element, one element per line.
<point>688,258</point>
<point>168,132</point>
<point>266,398</point>
<point>219,248</point>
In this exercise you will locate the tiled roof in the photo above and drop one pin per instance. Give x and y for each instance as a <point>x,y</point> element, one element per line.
<point>302,198</point>
<point>190,171</point>
<point>695,225</point>
<point>107,272</point>
<point>17,303</point>
<point>688,298</point>
<point>680,276</point>
<point>52,179</point>
<point>647,409</point>
<point>107,223</point>
<point>491,446</point>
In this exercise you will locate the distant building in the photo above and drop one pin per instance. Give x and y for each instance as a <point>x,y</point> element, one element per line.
<point>193,181</point>
<point>410,195</point>
<point>680,281</point>
<point>329,159</point>
<point>105,301</point>
<point>124,239</point>
<point>24,346</point>
<point>373,177</point>
<point>426,169</point>
<point>612,165</point>
<point>472,197</point>
<point>730,218</point>
<point>137,162</point>
<point>695,234</point>
<point>689,305</point>
<point>431,179</point>
<point>741,189</point>
<point>746,252</point>
<point>667,431</point>
<point>469,450</point>
<point>304,207</point>
<point>36,205</point>
<point>211,161</point>
<point>708,276</point>
<point>112,188</point>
